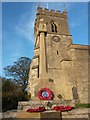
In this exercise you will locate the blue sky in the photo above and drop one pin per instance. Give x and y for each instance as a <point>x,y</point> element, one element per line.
<point>18,22</point>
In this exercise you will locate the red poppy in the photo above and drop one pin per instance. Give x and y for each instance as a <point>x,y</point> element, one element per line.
<point>39,109</point>
<point>62,108</point>
<point>45,94</point>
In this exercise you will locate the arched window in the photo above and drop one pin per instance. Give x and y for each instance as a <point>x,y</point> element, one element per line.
<point>57,52</point>
<point>53,27</point>
<point>75,93</point>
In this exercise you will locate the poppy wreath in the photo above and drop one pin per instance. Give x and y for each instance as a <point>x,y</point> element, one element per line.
<point>63,108</point>
<point>39,109</point>
<point>49,93</point>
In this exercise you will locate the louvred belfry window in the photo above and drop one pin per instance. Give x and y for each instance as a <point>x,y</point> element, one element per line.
<point>53,27</point>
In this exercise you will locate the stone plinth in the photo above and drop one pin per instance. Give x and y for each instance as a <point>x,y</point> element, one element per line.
<point>34,104</point>
<point>39,115</point>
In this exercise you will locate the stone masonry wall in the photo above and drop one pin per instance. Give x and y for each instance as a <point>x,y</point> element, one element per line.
<point>67,64</point>
<point>81,67</point>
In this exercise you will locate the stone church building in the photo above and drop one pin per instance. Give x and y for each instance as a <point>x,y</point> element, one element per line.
<point>58,64</point>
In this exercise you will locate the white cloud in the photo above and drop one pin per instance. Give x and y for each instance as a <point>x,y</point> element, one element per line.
<point>73,24</point>
<point>15,56</point>
<point>25,26</point>
<point>79,18</point>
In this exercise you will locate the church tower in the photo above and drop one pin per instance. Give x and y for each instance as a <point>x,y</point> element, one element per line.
<point>51,43</point>
<point>59,68</point>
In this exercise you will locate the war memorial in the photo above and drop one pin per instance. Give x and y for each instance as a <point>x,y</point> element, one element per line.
<point>59,69</point>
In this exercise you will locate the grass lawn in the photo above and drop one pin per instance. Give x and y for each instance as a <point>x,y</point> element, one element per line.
<point>81,105</point>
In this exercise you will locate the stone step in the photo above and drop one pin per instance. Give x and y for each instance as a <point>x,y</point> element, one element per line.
<point>79,113</point>
<point>27,104</point>
<point>40,115</point>
<point>76,114</point>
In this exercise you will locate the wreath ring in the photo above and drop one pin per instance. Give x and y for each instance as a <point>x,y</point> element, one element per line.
<point>45,94</point>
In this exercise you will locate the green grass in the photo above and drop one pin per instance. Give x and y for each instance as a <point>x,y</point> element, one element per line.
<point>80,105</point>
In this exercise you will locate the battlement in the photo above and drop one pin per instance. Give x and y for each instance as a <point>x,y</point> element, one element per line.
<point>45,11</point>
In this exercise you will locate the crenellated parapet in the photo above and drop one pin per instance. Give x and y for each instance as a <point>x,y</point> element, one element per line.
<point>45,11</point>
